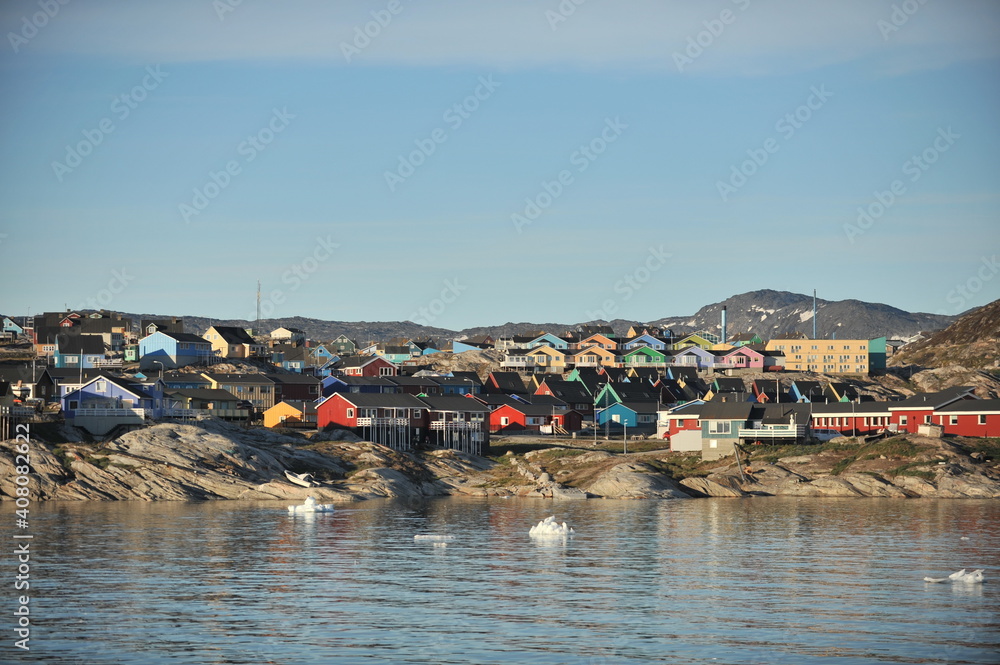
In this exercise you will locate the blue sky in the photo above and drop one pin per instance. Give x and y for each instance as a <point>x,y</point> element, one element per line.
<point>474,163</point>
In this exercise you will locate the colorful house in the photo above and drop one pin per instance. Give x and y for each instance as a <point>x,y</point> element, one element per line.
<point>365,366</point>
<point>645,339</point>
<point>533,417</point>
<point>104,403</point>
<point>173,350</point>
<point>907,415</point>
<point>393,420</point>
<point>296,413</point>
<point>457,423</point>
<point>637,415</point>
<point>979,417</point>
<point>701,340</point>
<point>695,357</point>
<point>644,356</point>
<point>79,351</point>
<point>743,357</point>
<point>547,359</point>
<point>233,342</point>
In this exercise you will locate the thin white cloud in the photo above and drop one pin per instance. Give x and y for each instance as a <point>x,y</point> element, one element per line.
<point>762,37</point>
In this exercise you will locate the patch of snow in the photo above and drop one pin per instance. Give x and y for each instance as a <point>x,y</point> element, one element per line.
<point>805,316</point>
<point>763,316</point>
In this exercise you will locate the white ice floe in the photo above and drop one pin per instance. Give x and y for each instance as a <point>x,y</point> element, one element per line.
<point>310,506</point>
<point>973,577</point>
<point>548,528</point>
<point>434,537</point>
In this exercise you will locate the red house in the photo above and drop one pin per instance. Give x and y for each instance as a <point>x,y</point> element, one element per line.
<point>679,419</point>
<point>365,366</point>
<point>909,414</point>
<point>974,417</point>
<point>531,417</point>
<point>392,419</point>
<point>852,418</point>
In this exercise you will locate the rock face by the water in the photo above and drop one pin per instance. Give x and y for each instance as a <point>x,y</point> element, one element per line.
<point>633,480</point>
<point>215,460</point>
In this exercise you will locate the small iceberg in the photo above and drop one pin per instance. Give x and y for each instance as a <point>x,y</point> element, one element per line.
<point>973,577</point>
<point>310,506</point>
<point>549,528</point>
<point>434,538</point>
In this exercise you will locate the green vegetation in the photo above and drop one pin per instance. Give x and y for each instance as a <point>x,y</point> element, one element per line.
<point>772,454</point>
<point>681,467</point>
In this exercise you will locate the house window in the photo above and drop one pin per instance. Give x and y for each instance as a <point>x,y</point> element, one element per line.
<point>350,413</point>
<point>927,420</point>
<point>73,404</point>
<point>902,420</point>
<point>982,418</point>
<point>504,421</point>
<point>101,386</point>
<point>719,427</point>
<point>953,420</point>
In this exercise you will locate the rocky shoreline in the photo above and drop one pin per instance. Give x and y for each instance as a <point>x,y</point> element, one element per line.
<point>215,460</point>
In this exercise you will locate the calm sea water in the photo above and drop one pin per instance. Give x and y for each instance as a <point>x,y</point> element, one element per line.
<point>764,580</point>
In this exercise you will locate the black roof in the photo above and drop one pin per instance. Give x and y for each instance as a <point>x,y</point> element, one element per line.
<point>934,400</point>
<point>234,335</point>
<point>726,411</point>
<point>508,381</point>
<point>92,344</point>
<point>185,337</point>
<point>972,406</point>
<point>453,403</point>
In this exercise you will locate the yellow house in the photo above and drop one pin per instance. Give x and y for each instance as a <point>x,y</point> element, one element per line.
<point>694,339</point>
<point>233,342</point>
<point>548,358</point>
<point>595,356</point>
<point>291,414</point>
<point>829,356</point>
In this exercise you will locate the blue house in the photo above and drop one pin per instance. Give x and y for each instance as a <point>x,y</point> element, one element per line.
<point>105,402</point>
<point>629,414</point>
<point>696,357</point>
<point>9,326</point>
<point>173,350</point>
<point>459,346</point>
<point>645,340</point>
<point>548,339</point>
<point>356,384</point>
<point>76,351</point>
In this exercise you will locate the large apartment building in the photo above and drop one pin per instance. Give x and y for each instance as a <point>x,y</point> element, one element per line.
<point>831,356</point>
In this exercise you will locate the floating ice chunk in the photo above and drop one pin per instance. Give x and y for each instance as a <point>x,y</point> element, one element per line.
<point>973,577</point>
<point>433,537</point>
<point>310,506</point>
<point>438,544</point>
<point>548,527</point>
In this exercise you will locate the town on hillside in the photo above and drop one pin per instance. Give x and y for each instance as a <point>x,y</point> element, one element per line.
<point>699,392</point>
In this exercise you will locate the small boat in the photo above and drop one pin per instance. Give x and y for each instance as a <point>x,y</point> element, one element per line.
<point>303,479</point>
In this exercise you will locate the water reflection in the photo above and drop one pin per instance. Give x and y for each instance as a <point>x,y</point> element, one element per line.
<point>741,580</point>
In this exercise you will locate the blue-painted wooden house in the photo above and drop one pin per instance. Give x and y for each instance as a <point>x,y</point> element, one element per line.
<point>174,350</point>
<point>10,326</point>
<point>644,340</point>
<point>548,339</point>
<point>103,403</point>
<point>76,351</point>
<point>630,414</point>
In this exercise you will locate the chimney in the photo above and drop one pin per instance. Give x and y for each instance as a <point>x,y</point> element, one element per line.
<point>724,337</point>
<point>814,313</point>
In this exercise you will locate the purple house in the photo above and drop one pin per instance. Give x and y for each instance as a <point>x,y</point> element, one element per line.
<point>105,402</point>
<point>696,357</point>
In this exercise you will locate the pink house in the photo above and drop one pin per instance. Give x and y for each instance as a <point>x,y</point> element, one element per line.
<point>744,357</point>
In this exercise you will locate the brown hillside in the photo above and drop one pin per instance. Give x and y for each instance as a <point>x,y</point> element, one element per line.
<point>973,341</point>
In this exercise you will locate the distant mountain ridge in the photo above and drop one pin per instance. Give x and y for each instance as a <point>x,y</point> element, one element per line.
<point>765,312</point>
<point>769,313</point>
